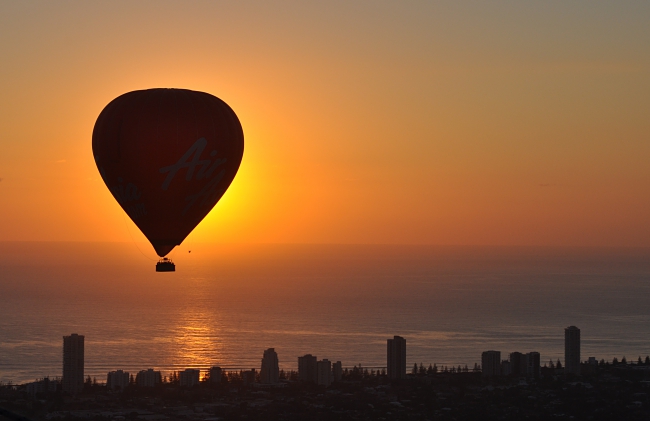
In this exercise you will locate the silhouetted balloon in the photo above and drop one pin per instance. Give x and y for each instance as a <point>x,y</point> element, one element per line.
<point>167,156</point>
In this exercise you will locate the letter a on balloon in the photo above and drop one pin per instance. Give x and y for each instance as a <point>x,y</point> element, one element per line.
<point>167,156</point>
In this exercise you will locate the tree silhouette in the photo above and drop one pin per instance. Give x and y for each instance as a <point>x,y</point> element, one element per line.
<point>421,370</point>
<point>558,364</point>
<point>415,369</point>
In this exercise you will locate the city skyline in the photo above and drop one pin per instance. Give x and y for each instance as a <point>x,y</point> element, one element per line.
<point>311,370</point>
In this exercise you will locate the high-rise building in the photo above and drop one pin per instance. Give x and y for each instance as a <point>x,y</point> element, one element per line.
<point>396,358</point>
<point>117,380</point>
<point>148,378</point>
<point>215,375</point>
<point>324,372</point>
<point>307,368</point>
<point>189,377</point>
<point>572,350</point>
<point>73,363</point>
<point>270,372</point>
<point>491,363</point>
<point>533,364</point>
<point>517,364</point>
<point>337,371</point>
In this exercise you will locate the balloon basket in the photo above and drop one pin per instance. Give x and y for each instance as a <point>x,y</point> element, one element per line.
<point>165,265</point>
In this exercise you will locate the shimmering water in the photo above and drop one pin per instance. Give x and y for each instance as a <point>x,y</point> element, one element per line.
<point>226,304</point>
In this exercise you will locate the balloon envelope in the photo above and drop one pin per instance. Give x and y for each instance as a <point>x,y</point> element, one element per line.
<point>167,156</point>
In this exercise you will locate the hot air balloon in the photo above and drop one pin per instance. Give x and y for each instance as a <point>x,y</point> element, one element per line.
<point>167,156</point>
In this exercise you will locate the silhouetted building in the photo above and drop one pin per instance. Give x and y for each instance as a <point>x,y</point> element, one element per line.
<point>572,350</point>
<point>73,363</point>
<point>189,377</point>
<point>215,374</point>
<point>533,364</point>
<point>249,376</point>
<point>506,368</point>
<point>324,373</point>
<point>270,372</point>
<point>517,364</point>
<point>117,380</point>
<point>524,364</point>
<point>43,386</point>
<point>396,358</point>
<point>307,368</point>
<point>148,378</point>
<point>491,363</point>
<point>337,371</point>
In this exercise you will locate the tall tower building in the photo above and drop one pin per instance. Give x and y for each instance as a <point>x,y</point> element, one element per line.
<point>533,361</point>
<point>73,363</point>
<point>270,372</point>
<point>396,358</point>
<point>491,363</point>
<point>308,369</point>
<point>572,350</point>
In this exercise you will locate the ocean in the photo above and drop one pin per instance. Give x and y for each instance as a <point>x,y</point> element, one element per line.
<point>225,304</point>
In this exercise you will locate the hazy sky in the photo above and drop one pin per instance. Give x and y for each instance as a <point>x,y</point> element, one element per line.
<point>431,122</point>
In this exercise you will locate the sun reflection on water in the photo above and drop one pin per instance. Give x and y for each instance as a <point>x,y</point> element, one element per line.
<point>197,340</point>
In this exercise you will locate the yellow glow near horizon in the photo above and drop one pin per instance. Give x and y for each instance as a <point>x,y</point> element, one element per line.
<point>427,123</point>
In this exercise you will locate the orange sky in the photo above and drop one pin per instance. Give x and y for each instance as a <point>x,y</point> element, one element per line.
<point>365,122</point>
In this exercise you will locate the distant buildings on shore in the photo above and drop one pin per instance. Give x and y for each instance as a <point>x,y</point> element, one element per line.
<point>518,364</point>
<point>189,377</point>
<point>322,373</point>
<point>148,378</point>
<point>270,371</point>
<point>310,369</point>
<point>396,358</point>
<point>117,380</point>
<point>529,364</point>
<point>491,363</point>
<point>215,374</point>
<point>73,363</point>
<point>572,350</point>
